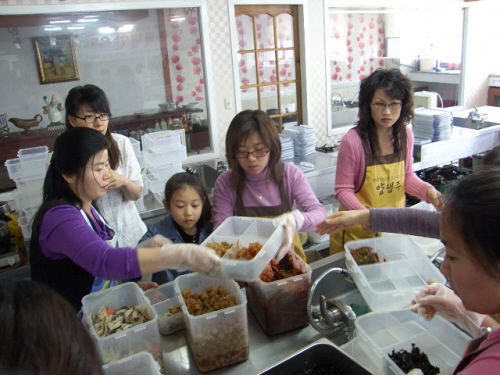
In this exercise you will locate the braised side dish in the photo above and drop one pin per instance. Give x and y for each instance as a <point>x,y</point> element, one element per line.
<point>283,269</point>
<point>220,248</point>
<point>171,311</point>
<point>212,299</point>
<point>110,320</point>
<point>248,252</point>
<point>365,255</point>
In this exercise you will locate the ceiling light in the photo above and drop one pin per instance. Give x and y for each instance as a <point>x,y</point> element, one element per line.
<point>107,30</point>
<point>53,28</point>
<point>75,27</point>
<point>61,21</point>
<point>126,28</point>
<point>175,18</point>
<point>82,20</point>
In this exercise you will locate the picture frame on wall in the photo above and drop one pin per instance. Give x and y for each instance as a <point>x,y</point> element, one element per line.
<point>56,59</point>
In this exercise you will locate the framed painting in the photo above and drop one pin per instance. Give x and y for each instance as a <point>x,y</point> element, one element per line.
<point>56,59</point>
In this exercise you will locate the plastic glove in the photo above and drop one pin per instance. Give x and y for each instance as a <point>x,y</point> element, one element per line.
<point>435,198</point>
<point>292,222</point>
<point>416,371</point>
<point>192,257</point>
<point>439,299</point>
<point>156,241</point>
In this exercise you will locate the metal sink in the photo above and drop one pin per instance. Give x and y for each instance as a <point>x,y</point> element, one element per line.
<point>344,115</point>
<point>322,356</point>
<point>208,175</point>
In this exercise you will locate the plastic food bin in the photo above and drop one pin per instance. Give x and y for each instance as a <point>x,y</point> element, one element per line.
<point>166,171</point>
<point>143,337</point>
<point>162,298</point>
<point>172,155</point>
<point>390,284</point>
<point>28,167</point>
<point>161,141</point>
<point>136,145</point>
<point>219,338</point>
<point>246,230</point>
<point>281,305</point>
<point>39,152</point>
<point>162,293</point>
<point>381,333</point>
<point>140,363</point>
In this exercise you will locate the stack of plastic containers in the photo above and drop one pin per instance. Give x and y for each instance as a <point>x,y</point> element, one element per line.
<point>28,172</point>
<point>304,140</point>
<point>164,154</point>
<point>136,145</point>
<point>140,363</point>
<point>286,147</point>
<point>434,124</point>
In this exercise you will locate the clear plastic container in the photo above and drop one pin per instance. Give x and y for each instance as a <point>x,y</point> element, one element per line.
<point>25,224</point>
<point>240,232</point>
<point>139,204</point>
<point>166,171</point>
<point>29,185</point>
<point>403,269</point>
<point>136,145</point>
<point>219,338</point>
<point>155,186</point>
<point>31,201</point>
<point>169,324</point>
<point>28,167</point>
<point>143,337</point>
<point>281,305</point>
<point>39,152</point>
<point>140,363</point>
<point>161,141</point>
<point>162,293</point>
<point>170,156</point>
<point>383,332</point>
<point>141,158</point>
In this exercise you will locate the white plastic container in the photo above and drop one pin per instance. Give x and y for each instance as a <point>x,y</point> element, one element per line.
<point>161,141</point>
<point>141,158</point>
<point>140,363</point>
<point>381,333</point>
<point>136,145</point>
<point>27,167</point>
<point>165,171</point>
<point>29,185</point>
<point>155,186</point>
<point>163,298</point>
<point>219,338</point>
<point>25,224</point>
<point>390,284</point>
<point>29,201</point>
<point>246,230</point>
<point>170,156</point>
<point>39,152</point>
<point>143,337</point>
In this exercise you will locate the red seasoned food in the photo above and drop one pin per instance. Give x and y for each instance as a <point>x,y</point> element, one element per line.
<point>283,269</point>
<point>249,252</point>
<point>365,255</point>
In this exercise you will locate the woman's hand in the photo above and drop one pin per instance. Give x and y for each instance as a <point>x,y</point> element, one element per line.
<point>344,220</point>
<point>146,285</point>
<point>435,198</point>
<point>116,180</point>
<point>131,190</point>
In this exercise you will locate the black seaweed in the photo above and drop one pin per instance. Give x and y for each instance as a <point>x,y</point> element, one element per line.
<point>407,361</point>
<point>320,370</point>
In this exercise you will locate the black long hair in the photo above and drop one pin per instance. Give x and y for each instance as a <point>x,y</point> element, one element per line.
<point>95,98</point>
<point>72,151</point>
<point>396,85</point>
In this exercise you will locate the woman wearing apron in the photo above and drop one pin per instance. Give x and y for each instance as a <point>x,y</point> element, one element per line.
<point>258,185</point>
<point>71,249</point>
<point>375,160</point>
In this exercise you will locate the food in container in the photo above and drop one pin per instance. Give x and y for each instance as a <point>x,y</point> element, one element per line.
<point>110,320</point>
<point>278,299</point>
<point>170,316</point>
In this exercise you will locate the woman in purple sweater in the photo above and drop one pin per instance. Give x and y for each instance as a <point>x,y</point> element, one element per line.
<point>72,248</point>
<point>258,185</point>
<point>468,227</point>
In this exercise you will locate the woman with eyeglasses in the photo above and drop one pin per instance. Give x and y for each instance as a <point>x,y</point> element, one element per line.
<point>258,185</point>
<point>88,107</point>
<point>375,159</point>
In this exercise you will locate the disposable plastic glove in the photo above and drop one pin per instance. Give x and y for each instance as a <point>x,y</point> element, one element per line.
<point>416,371</point>
<point>291,222</point>
<point>192,257</point>
<point>439,299</point>
<point>156,241</point>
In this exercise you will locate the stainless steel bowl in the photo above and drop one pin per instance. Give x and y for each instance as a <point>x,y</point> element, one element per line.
<point>4,232</point>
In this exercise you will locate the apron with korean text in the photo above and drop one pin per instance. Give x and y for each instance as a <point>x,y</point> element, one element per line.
<point>271,212</point>
<point>99,282</point>
<point>383,187</point>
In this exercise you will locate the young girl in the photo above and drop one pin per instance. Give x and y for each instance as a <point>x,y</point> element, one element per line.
<point>88,106</point>
<point>375,160</point>
<point>258,185</point>
<point>72,248</point>
<point>189,219</point>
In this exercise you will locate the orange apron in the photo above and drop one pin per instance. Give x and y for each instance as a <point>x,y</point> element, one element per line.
<point>383,186</point>
<point>271,211</point>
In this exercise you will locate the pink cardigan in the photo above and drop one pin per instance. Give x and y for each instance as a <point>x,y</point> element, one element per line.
<point>351,170</point>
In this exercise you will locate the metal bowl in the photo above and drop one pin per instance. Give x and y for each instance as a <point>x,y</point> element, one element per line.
<point>4,232</point>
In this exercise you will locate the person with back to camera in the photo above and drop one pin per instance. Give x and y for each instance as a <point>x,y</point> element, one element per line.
<point>374,165</point>
<point>41,334</point>
<point>189,219</point>
<point>88,106</point>
<point>468,227</point>
<point>72,247</point>
<point>258,185</point>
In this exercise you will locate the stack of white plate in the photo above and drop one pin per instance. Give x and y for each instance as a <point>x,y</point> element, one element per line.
<point>304,140</point>
<point>434,124</point>
<point>286,147</point>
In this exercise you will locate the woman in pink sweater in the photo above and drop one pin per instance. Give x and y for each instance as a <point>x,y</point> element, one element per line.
<point>374,166</point>
<point>258,185</point>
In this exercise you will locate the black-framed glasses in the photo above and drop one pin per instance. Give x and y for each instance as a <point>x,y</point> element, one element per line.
<point>254,153</point>
<point>392,106</point>
<point>91,119</point>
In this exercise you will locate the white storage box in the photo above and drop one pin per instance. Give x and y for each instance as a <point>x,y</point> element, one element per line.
<point>403,269</point>
<point>173,155</point>
<point>163,298</point>
<point>161,141</point>
<point>219,338</point>
<point>27,201</point>
<point>246,230</point>
<point>162,293</point>
<point>378,334</point>
<point>155,186</point>
<point>39,152</point>
<point>136,145</point>
<point>166,171</point>
<point>143,337</point>
<point>28,167</point>
<point>29,185</point>
<point>141,158</point>
<point>140,363</point>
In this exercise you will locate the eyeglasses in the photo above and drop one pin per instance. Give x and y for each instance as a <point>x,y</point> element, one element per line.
<point>392,106</point>
<point>254,153</point>
<point>91,119</point>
